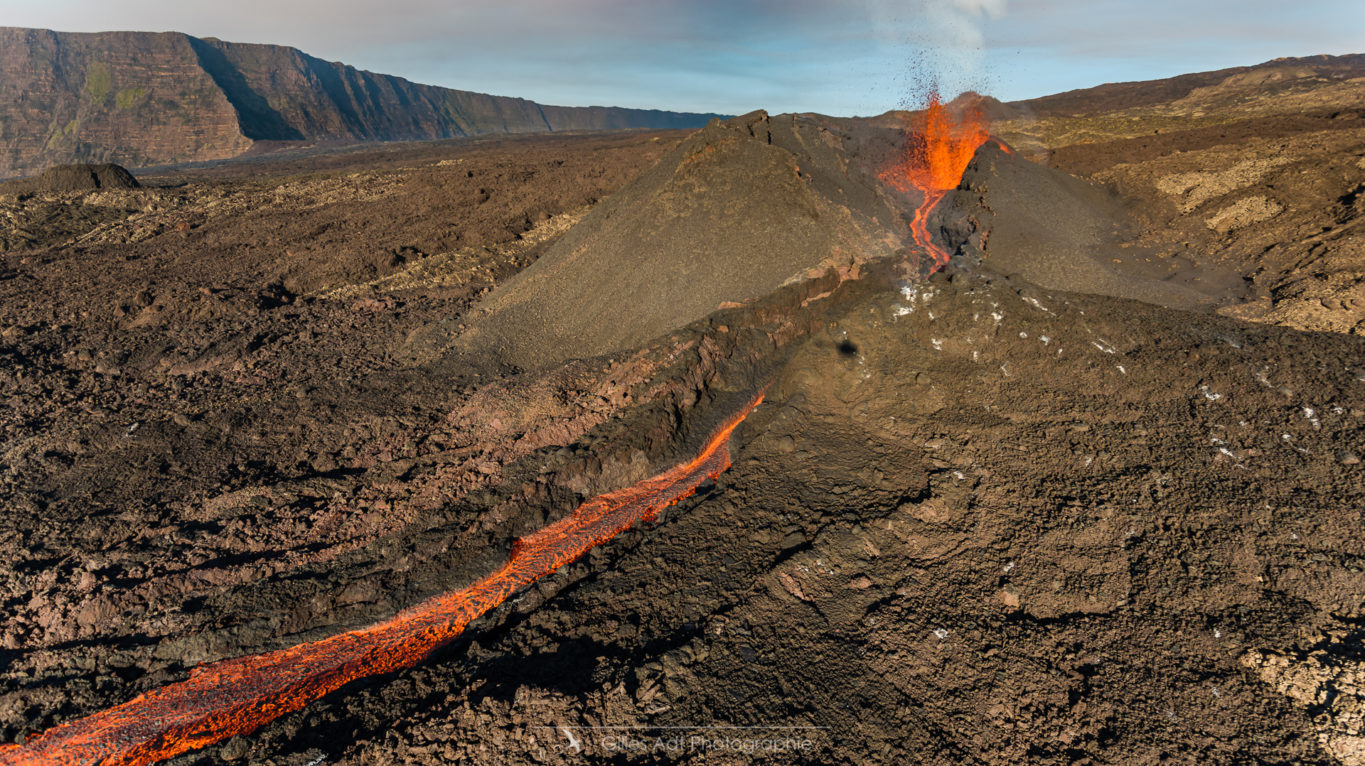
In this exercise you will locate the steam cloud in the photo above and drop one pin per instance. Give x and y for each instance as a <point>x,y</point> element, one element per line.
<point>946,40</point>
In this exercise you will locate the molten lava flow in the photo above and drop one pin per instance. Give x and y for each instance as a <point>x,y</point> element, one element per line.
<point>932,164</point>
<point>224,699</point>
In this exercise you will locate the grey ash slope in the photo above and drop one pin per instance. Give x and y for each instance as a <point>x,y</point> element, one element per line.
<point>737,210</point>
<point>1063,233</point>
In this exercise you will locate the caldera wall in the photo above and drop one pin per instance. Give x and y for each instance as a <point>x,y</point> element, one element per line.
<point>143,98</point>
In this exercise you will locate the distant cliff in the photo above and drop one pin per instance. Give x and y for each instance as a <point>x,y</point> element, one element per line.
<point>144,98</point>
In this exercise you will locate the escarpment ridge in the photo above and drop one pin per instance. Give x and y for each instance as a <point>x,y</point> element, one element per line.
<point>153,98</point>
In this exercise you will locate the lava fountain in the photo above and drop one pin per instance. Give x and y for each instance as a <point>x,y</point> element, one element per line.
<point>932,162</point>
<point>236,696</point>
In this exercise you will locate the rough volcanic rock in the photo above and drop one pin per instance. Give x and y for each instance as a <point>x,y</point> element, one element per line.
<point>141,98</point>
<point>1010,525</point>
<point>133,364</point>
<point>974,522</point>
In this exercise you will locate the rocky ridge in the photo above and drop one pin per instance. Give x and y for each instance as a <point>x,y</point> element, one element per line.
<point>144,98</point>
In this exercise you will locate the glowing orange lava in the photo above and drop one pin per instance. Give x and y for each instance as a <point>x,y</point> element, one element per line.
<point>236,696</point>
<point>932,163</point>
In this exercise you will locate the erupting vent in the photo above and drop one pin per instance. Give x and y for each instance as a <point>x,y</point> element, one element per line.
<point>935,155</point>
<point>236,696</point>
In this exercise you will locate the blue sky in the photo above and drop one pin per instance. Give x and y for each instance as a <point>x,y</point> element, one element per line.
<point>859,57</point>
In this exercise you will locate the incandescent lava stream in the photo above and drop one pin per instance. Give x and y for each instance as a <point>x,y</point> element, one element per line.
<point>236,696</point>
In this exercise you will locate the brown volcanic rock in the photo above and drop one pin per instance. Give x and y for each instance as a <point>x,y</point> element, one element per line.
<point>141,98</point>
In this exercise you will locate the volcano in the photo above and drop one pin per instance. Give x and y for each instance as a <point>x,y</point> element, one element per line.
<point>452,451</point>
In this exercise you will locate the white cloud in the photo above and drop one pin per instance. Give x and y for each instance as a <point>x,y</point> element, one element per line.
<point>943,42</point>
<point>990,8</point>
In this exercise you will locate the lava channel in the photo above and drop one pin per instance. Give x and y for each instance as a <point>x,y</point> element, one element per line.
<point>236,696</point>
<point>932,164</point>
